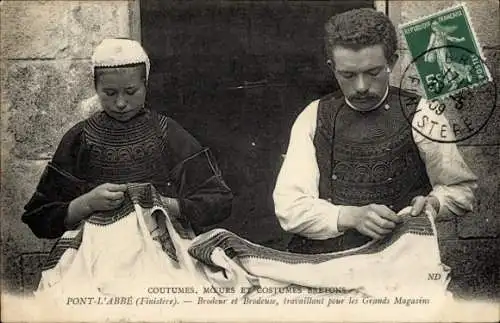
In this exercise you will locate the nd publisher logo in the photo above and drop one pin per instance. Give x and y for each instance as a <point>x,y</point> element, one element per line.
<point>433,276</point>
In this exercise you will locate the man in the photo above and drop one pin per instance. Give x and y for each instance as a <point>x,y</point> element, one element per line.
<point>353,160</point>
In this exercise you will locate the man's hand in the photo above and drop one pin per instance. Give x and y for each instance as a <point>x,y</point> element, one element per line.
<point>372,220</point>
<point>419,202</point>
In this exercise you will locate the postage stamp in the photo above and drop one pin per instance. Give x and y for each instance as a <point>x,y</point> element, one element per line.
<point>451,118</point>
<point>446,52</point>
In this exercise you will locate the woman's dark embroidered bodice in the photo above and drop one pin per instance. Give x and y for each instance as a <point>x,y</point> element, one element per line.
<point>125,152</point>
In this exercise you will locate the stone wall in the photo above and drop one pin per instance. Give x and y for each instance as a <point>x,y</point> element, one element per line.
<point>470,244</point>
<point>46,49</point>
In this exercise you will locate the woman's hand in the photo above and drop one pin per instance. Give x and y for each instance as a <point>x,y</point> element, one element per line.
<point>104,197</point>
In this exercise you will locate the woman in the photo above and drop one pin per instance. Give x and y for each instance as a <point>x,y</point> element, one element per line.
<point>125,142</point>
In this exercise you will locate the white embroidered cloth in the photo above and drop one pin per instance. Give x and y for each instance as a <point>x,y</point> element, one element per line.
<point>140,246</point>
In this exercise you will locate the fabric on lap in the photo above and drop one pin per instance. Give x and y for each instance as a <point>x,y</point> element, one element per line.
<point>141,243</point>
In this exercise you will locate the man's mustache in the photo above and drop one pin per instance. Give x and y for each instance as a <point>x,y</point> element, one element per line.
<point>364,97</point>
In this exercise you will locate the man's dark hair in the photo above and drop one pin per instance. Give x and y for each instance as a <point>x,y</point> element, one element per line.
<point>359,28</point>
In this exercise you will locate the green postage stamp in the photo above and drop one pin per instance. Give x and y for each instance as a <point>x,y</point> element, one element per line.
<point>446,52</point>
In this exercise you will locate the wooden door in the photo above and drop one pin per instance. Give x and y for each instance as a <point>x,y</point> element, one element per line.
<point>236,74</point>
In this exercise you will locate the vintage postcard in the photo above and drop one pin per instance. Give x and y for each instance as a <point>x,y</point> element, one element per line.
<point>249,161</point>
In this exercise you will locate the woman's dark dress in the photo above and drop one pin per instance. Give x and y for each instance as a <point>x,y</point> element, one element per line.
<point>150,148</point>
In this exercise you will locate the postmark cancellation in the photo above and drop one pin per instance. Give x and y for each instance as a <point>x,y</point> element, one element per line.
<point>449,71</point>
